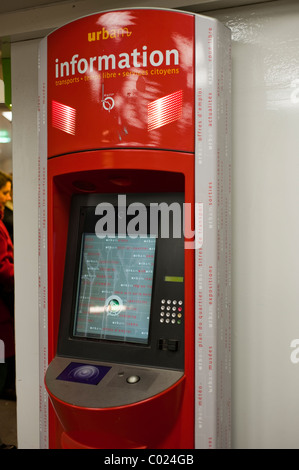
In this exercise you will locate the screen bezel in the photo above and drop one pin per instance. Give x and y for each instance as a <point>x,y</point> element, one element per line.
<point>119,351</point>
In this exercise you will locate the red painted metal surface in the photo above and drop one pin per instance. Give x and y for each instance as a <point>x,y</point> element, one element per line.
<point>122,129</point>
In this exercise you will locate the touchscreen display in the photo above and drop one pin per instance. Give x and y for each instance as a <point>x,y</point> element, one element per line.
<point>115,288</point>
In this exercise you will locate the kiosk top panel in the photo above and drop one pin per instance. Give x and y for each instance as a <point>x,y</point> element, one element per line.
<point>121,79</point>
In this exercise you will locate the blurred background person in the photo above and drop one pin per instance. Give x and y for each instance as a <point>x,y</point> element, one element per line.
<point>7,369</point>
<point>8,214</point>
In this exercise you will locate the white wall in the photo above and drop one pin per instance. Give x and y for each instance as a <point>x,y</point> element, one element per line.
<point>265,226</point>
<point>265,223</point>
<point>25,172</point>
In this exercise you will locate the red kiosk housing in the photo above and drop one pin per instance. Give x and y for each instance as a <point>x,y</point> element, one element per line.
<point>119,119</point>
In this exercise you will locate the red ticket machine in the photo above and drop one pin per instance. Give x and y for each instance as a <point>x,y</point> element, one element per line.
<point>118,90</point>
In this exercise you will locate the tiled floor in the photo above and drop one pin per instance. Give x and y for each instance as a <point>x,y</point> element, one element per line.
<point>8,423</point>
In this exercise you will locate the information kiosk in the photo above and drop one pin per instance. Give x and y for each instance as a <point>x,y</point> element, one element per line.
<point>132,103</point>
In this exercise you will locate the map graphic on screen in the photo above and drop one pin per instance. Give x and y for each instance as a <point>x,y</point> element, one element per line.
<point>115,288</point>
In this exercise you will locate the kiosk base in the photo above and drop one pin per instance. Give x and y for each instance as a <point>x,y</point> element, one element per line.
<point>142,405</point>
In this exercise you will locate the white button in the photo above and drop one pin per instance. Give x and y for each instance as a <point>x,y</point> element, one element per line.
<point>133,379</point>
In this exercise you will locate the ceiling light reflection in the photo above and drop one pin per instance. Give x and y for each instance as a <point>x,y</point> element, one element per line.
<point>107,308</point>
<point>7,115</point>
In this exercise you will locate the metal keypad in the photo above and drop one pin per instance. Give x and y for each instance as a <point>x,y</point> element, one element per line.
<point>171,311</point>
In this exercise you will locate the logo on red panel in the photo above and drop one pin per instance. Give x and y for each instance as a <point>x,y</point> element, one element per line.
<point>114,33</point>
